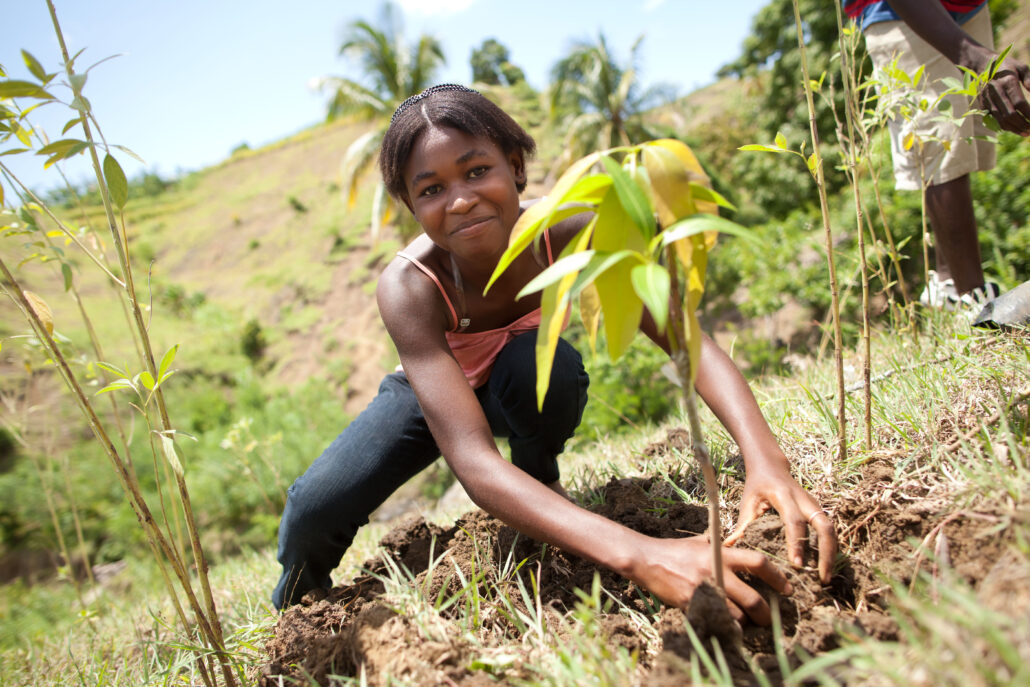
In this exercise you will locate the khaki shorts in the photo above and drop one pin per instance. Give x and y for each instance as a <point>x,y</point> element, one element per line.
<point>890,39</point>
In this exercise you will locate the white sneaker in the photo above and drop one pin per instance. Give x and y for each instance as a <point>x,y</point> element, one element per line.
<point>939,293</point>
<point>980,296</point>
<point>974,302</point>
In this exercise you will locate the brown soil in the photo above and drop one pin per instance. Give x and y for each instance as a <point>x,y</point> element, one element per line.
<point>353,627</point>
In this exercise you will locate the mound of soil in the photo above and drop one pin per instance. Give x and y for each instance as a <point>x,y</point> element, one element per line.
<point>888,533</point>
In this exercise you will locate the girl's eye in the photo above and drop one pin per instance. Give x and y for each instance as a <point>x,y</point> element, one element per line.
<point>430,190</point>
<point>477,172</point>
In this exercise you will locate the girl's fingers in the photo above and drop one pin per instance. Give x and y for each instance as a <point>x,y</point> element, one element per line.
<point>735,610</point>
<point>756,563</point>
<point>827,537</point>
<point>796,528</point>
<point>747,600</point>
<point>750,509</point>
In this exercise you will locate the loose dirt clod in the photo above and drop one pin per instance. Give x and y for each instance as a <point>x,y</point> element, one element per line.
<point>880,523</point>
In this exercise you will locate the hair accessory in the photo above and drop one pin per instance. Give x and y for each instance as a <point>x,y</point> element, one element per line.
<point>439,88</point>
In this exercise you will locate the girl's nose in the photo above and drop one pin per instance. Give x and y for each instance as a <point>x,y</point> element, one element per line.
<point>462,200</point>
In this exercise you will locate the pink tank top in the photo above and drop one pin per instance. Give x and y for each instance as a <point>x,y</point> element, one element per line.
<point>477,351</point>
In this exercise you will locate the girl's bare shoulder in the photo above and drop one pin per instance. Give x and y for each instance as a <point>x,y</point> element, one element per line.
<point>406,296</point>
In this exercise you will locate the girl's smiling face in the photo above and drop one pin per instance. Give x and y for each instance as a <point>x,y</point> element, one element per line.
<point>462,190</point>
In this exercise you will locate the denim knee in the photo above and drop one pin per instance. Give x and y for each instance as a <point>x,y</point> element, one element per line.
<point>381,449</point>
<point>536,438</point>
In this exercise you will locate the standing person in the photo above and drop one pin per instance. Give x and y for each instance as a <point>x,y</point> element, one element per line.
<point>458,162</point>
<point>940,34</point>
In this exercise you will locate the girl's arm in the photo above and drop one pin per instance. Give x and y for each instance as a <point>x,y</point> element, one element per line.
<point>671,568</point>
<point>768,482</point>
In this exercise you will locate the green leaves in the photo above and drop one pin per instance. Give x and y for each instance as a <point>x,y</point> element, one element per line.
<point>631,196</point>
<point>651,283</point>
<point>543,214</point>
<point>615,264</point>
<point>61,150</point>
<point>15,88</point>
<point>35,68</point>
<point>116,182</point>
<point>142,380</point>
<point>168,448</point>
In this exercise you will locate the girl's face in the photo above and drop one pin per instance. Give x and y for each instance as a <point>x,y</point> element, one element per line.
<point>462,190</point>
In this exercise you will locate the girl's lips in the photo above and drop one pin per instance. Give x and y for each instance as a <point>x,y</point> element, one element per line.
<point>471,226</point>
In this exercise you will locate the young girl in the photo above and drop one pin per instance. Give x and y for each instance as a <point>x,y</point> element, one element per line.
<point>458,163</point>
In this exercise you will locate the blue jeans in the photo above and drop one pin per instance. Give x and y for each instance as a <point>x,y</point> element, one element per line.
<point>389,442</point>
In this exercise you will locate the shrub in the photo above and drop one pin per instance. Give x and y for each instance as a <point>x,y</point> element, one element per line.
<point>252,342</point>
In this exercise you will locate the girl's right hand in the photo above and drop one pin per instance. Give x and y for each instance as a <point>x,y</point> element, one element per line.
<point>672,569</point>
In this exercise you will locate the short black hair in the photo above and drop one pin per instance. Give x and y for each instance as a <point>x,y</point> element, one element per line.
<point>450,106</point>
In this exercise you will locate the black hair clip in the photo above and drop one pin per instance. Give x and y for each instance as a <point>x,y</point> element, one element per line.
<point>439,88</point>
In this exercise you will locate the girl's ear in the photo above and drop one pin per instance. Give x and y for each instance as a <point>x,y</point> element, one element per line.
<point>518,166</point>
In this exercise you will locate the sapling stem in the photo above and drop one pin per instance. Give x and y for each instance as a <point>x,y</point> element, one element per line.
<point>155,538</point>
<point>852,151</point>
<point>838,343</point>
<point>681,358</point>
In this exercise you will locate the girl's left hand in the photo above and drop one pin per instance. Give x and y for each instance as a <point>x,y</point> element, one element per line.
<point>772,486</point>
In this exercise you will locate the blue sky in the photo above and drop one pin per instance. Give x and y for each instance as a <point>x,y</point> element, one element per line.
<point>195,78</point>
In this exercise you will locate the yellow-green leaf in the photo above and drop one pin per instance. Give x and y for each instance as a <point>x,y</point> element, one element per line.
<point>632,197</point>
<point>116,183</point>
<point>780,140</point>
<point>590,313</point>
<point>670,185</point>
<point>694,169</point>
<point>761,148</point>
<point>166,362</point>
<point>554,312</point>
<point>42,311</point>
<point>547,212</point>
<point>570,264</point>
<point>14,88</point>
<point>812,162</point>
<point>168,448</point>
<point>651,283</point>
<point>34,66</point>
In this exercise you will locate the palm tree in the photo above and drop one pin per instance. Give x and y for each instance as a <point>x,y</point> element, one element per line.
<point>599,102</point>
<point>395,70</point>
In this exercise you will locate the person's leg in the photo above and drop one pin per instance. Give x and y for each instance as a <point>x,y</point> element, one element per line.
<point>949,207</point>
<point>380,450</point>
<point>509,401</point>
<point>945,169</point>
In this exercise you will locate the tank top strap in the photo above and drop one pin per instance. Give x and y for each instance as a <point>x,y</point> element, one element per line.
<point>436,280</point>
<point>550,253</point>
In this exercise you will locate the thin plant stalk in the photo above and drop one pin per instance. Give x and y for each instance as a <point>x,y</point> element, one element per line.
<point>838,343</point>
<point>213,624</point>
<point>94,340</point>
<point>681,358</point>
<point>895,255</point>
<point>155,537</point>
<point>852,155</point>
<point>73,506</point>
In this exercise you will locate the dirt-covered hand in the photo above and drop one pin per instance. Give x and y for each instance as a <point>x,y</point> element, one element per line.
<point>673,568</point>
<point>774,487</point>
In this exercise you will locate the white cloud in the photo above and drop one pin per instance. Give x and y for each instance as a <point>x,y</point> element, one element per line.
<point>651,5</point>
<point>441,7</point>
